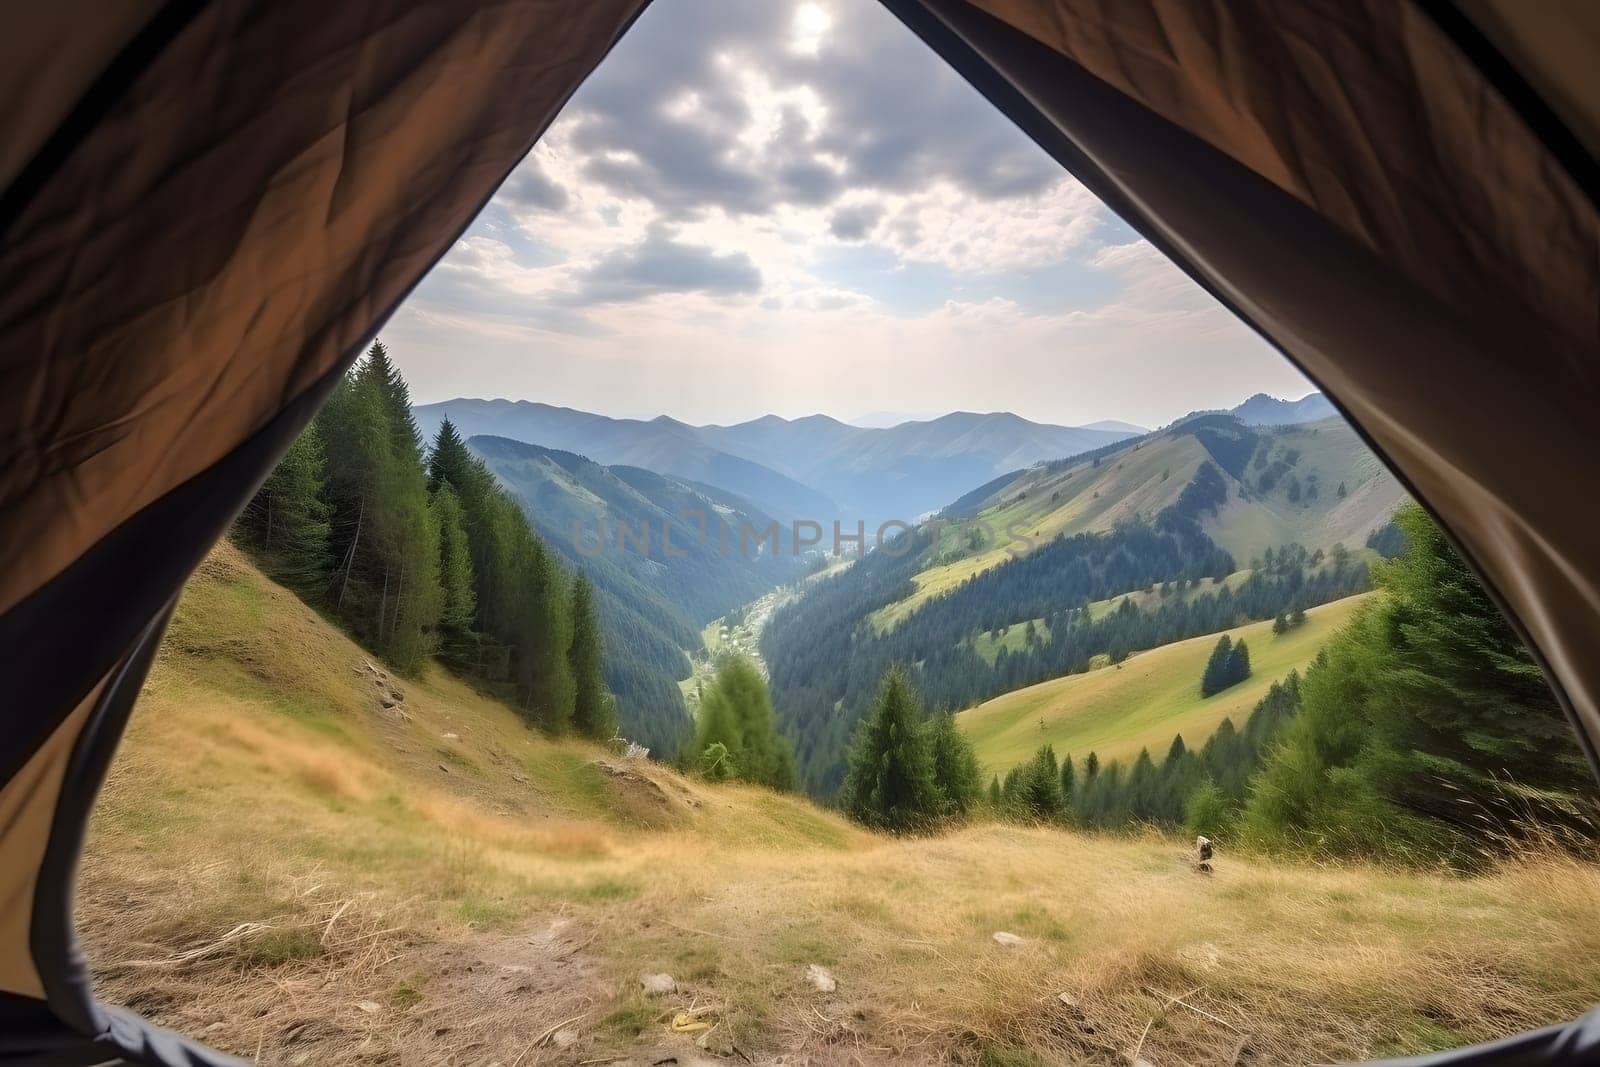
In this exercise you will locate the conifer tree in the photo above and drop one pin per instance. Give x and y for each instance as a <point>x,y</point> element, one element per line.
<point>889,784</point>
<point>1143,788</point>
<point>286,522</point>
<point>384,538</point>
<point>955,765</point>
<point>1068,782</point>
<point>1424,720</point>
<point>1215,678</point>
<point>995,795</point>
<point>1238,664</point>
<point>458,590</point>
<point>736,712</point>
<point>592,712</point>
<point>1041,797</point>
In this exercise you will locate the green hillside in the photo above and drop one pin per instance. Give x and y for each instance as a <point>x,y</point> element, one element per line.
<point>655,596</point>
<point>1283,487</point>
<point>1146,700</point>
<point>421,879</point>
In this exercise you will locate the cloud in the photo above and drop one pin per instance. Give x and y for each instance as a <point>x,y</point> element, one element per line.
<point>661,264</point>
<point>855,222</point>
<point>803,193</point>
<point>531,187</point>
<point>739,107</point>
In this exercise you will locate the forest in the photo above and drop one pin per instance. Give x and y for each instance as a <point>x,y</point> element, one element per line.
<point>418,552</point>
<point>1424,733</point>
<point>826,657</point>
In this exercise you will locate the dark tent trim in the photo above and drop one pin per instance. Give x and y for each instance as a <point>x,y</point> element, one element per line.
<point>102,96</point>
<point>1558,140</point>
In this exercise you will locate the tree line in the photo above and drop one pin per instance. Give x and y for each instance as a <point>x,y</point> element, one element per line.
<point>827,656</point>
<point>418,552</point>
<point>1423,733</point>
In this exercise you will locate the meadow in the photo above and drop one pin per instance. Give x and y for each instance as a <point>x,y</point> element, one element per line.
<point>304,859</point>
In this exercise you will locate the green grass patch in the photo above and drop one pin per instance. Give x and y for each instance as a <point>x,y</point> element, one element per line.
<point>1144,701</point>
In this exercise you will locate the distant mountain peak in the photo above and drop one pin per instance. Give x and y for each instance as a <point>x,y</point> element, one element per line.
<point>1264,410</point>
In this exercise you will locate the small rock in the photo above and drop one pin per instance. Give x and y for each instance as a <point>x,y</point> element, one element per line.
<point>1068,999</point>
<point>1008,940</point>
<point>443,768</point>
<point>821,978</point>
<point>658,985</point>
<point>369,1006</point>
<point>451,737</point>
<point>565,1037</point>
<point>214,1027</point>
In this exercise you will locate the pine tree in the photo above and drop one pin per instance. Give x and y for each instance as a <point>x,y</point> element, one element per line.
<point>286,523</point>
<point>890,784</point>
<point>1238,668</point>
<point>1175,753</point>
<point>384,538</point>
<point>592,711</point>
<point>1143,788</point>
<point>1280,625</point>
<point>995,795</point>
<point>955,765</point>
<point>1215,678</point>
<point>1413,722</point>
<point>458,644</point>
<point>1068,782</point>
<point>1041,795</point>
<point>736,712</point>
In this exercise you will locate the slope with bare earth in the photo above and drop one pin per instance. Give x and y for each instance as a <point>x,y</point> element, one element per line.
<point>303,860</point>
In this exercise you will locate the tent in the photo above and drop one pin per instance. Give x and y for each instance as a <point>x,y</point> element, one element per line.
<point>207,207</point>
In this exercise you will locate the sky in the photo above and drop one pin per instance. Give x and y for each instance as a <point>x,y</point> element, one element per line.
<point>790,207</point>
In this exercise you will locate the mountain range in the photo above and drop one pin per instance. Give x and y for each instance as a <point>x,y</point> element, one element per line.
<point>815,467</point>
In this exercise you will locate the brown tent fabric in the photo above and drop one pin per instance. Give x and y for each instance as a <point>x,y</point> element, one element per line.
<point>206,208</point>
<point>1340,174</point>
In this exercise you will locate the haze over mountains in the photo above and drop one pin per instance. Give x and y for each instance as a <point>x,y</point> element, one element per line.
<point>1264,410</point>
<point>816,467</point>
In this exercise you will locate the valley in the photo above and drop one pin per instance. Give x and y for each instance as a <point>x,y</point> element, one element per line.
<point>572,826</point>
<point>287,867</point>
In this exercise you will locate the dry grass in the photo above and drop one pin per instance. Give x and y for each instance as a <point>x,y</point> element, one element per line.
<point>286,871</point>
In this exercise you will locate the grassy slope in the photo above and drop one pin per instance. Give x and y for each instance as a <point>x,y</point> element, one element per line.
<point>1330,453</point>
<point>1085,498</point>
<point>1151,696</point>
<point>1148,477</point>
<point>299,876</point>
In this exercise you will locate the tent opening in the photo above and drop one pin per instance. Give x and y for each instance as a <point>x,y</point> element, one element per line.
<point>844,531</point>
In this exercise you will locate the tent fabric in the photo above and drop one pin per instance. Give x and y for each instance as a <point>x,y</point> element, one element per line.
<point>1429,265</point>
<point>82,38</point>
<point>188,261</point>
<point>1552,44</point>
<point>207,208</point>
